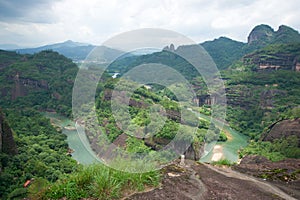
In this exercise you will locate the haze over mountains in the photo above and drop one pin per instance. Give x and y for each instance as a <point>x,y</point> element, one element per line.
<point>223,50</point>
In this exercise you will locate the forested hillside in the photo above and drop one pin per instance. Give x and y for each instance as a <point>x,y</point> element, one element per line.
<point>31,148</point>
<point>42,81</point>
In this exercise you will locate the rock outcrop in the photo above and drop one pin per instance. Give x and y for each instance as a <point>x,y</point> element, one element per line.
<point>261,34</point>
<point>284,170</point>
<point>283,129</point>
<point>22,85</point>
<point>7,143</point>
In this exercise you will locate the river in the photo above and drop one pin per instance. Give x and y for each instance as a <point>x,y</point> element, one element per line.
<point>229,149</point>
<point>85,155</point>
<point>78,142</point>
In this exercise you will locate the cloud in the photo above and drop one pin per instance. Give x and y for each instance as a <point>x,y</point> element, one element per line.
<point>40,22</point>
<point>38,11</point>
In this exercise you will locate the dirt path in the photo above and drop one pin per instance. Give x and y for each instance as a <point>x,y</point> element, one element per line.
<point>201,181</point>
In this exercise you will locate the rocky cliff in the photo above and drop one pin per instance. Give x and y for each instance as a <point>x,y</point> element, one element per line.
<point>283,129</point>
<point>261,34</point>
<point>7,143</point>
<point>275,57</point>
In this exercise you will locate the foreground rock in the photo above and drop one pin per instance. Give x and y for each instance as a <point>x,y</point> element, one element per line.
<point>283,129</point>
<point>202,181</point>
<point>284,174</point>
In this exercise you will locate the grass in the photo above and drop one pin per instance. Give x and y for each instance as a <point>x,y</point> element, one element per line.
<point>222,162</point>
<point>98,181</point>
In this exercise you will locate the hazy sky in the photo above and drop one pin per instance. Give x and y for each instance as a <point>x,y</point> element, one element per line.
<point>39,22</point>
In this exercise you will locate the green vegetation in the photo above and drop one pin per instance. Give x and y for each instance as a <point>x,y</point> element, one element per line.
<point>96,181</point>
<point>256,98</point>
<point>222,162</point>
<point>42,81</point>
<point>42,154</point>
<point>280,174</point>
<point>143,121</point>
<point>224,51</point>
<point>222,137</point>
<point>274,151</point>
<point>167,58</point>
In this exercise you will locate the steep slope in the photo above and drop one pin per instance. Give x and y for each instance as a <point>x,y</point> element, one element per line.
<point>274,57</point>
<point>43,80</point>
<point>263,35</point>
<point>7,143</point>
<point>283,129</point>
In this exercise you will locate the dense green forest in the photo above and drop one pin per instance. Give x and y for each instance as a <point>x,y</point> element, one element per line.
<point>42,153</point>
<point>43,81</point>
<point>30,84</point>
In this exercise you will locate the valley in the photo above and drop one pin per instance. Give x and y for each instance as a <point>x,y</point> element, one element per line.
<point>255,147</point>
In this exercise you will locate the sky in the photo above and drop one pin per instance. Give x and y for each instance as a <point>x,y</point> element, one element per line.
<point>30,23</point>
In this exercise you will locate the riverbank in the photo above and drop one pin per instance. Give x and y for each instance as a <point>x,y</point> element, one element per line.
<point>84,154</point>
<point>217,153</point>
<point>224,150</point>
<point>81,150</point>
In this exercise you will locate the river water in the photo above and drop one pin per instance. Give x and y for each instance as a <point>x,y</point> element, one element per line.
<point>230,148</point>
<point>77,141</point>
<point>84,154</point>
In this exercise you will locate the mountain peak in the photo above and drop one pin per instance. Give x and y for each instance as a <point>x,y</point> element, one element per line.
<point>285,28</point>
<point>260,34</point>
<point>68,42</point>
<point>263,35</point>
<point>286,34</point>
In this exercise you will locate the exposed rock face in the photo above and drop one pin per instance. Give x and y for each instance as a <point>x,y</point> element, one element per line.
<point>261,33</point>
<point>283,129</point>
<point>7,143</point>
<point>284,170</point>
<point>240,95</point>
<point>264,34</point>
<point>275,61</point>
<point>267,98</point>
<point>195,151</point>
<point>22,86</point>
<point>297,67</point>
<point>171,48</point>
<point>285,33</point>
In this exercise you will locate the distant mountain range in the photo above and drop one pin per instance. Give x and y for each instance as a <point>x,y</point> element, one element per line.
<point>73,50</point>
<point>223,50</point>
<point>78,51</point>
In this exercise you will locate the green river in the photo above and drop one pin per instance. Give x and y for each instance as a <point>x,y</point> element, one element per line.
<point>77,142</point>
<point>85,155</point>
<point>230,148</point>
